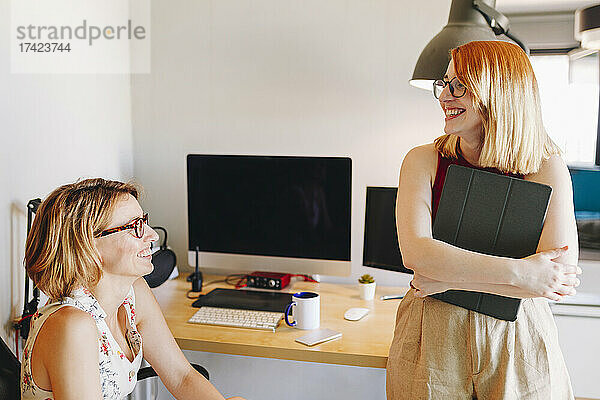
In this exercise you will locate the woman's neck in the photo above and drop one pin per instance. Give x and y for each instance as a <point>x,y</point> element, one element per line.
<point>110,293</point>
<point>470,151</point>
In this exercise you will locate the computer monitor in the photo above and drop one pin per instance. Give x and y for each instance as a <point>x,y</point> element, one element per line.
<point>381,248</point>
<point>270,213</point>
<point>586,201</point>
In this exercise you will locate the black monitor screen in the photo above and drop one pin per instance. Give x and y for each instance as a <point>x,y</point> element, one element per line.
<point>270,206</point>
<point>381,248</point>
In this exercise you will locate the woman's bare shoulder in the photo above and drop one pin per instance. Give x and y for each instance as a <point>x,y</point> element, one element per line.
<point>67,347</point>
<point>69,321</point>
<point>426,152</point>
<point>142,291</point>
<point>421,160</point>
<point>553,171</point>
<point>145,302</point>
<point>68,330</point>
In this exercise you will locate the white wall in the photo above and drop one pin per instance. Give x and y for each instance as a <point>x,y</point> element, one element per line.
<point>282,78</point>
<point>55,129</point>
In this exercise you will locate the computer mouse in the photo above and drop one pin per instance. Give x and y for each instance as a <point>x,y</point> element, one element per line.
<point>354,314</point>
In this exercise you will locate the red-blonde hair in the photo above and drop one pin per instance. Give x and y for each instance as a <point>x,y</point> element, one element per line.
<point>505,93</point>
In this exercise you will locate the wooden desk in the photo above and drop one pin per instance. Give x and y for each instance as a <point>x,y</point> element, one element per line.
<point>364,343</point>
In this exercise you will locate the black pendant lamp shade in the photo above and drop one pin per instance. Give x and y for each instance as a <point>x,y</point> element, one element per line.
<point>587,27</point>
<point>468,20</point>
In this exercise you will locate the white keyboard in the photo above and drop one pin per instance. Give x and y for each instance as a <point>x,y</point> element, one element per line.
<point>237,318</point>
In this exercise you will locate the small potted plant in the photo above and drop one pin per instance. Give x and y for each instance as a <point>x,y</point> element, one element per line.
<point>366,287</point>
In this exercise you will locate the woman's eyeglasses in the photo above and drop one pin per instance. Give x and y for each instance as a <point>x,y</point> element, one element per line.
<point>457,89</point>
<point>137,225</point>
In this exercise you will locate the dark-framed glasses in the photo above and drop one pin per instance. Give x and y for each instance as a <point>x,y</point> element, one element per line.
<point>457,89</point>
<point>137,225</point>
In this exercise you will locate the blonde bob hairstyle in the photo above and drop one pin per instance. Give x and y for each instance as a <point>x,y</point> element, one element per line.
<point>60,253</point>
<point>505,94</point>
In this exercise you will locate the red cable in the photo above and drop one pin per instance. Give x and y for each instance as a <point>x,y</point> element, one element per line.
<point>306,278</point>
<point>239,284</point>
<point>17,334</point>
<point>25,317</point>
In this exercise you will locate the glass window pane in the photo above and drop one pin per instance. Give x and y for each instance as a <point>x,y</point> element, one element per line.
<point>569,96</point>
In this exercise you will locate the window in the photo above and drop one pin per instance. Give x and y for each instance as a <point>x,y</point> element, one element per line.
<point>569,95</point>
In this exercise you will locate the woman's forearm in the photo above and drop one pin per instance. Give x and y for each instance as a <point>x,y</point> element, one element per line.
<point>538,274</point>
<point>426,286</point>
<point>443,262</point>
<point>195,386</point>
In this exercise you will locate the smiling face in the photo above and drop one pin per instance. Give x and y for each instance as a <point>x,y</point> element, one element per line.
<point>462,119</point>
<point>122,253</point>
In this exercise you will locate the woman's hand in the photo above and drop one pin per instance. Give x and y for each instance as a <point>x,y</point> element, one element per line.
<point>425,286</point>
<point>543,275</point>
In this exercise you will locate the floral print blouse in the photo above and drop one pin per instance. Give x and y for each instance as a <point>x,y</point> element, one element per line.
<point>118,375</point>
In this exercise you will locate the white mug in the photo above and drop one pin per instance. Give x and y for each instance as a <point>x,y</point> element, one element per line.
<point>306,309</point>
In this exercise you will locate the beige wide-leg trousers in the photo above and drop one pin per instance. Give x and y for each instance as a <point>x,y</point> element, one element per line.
<point>441,351</point>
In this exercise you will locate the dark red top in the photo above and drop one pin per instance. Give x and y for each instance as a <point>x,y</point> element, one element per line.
<point>440,177</point>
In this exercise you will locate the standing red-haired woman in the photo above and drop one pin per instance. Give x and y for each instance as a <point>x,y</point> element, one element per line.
<point>493,121</point>
<point>88,248</point>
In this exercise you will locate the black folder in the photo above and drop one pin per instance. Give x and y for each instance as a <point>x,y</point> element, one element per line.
<point>491,214</point>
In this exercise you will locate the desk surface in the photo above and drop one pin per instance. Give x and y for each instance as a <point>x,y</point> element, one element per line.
<point>364,343</point>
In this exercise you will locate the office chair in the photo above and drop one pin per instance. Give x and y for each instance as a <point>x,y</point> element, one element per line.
<point>10,370</point>
<point>10,373</point>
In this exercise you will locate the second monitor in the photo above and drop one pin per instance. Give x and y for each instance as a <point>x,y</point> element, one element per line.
<point>270,213</point>
<point>381,248</point>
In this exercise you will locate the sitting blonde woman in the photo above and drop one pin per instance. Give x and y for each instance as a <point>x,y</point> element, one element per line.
<point>88,248</point>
